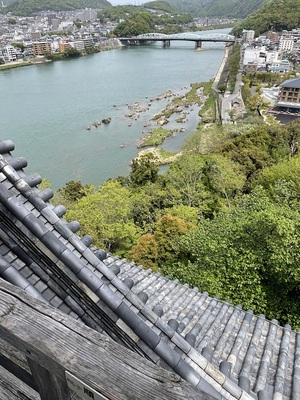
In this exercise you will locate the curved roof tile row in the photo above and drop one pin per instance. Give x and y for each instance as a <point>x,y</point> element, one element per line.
<point>220,349</point>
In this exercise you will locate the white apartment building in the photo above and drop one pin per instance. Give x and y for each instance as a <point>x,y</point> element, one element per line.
<point>254,55</point>
<point>286,43</point>
<point>87,15</point>
<point>248,36</point>
<point>78,45</point>
<point>8,53</point>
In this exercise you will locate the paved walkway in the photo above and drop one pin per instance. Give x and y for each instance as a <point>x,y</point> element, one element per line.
<point>228,104</point>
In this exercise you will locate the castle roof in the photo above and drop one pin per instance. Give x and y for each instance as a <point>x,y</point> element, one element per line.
<point>220,349</point>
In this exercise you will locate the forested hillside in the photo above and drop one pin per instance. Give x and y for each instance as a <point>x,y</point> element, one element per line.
<point>276,14</point>
<point>218,8</point>
<point>28,7</point>
<point>139,20</point>
<point>197,8</point>
<point>159,5</point>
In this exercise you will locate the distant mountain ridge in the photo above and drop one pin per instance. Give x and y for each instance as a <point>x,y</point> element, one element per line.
<point>28,7</point>
<point>238,9</point>
<point>218,8</point>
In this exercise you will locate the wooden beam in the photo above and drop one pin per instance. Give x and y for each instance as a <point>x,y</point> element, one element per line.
<point>11,388</point>
<point>58,343</point>
<point>14,368</point>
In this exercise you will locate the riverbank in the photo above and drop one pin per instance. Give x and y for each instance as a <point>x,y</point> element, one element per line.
<point>56,57</point>
<point>204,96</point>
<point>199,100</point>
<point>19,64</point>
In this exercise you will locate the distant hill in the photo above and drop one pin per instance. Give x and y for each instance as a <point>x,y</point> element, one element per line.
<point>8,2</point>
<point>218,8</point>
<point>28,7</point>
<point>276,15</point>
<point>160,6</point>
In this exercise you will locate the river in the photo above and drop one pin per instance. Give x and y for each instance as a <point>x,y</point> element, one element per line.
<point>46,108</point>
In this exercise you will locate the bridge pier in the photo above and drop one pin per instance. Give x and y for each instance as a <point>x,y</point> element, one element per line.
<point>166,43</point>
<point>198,44</point>
<point>133,42</point>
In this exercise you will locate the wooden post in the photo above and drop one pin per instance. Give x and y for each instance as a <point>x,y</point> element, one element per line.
<point>56,344</point>
<point>49,385</point>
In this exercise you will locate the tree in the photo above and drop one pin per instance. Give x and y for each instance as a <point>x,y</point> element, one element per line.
<point>187,213</point>
<point>145,252</point>
<point>271,17</point>
<point>168,231</point>
<point>292,136</point>
<point>224,177</point>
<point>106,216</point>
<point>248,256</point>
<point>152,250</point>
<point>185,182</point>
<point>73,191</point>
<point>144,169</point>
<point>148,203</point>
<point>281,181</point>
<point>45,184</point>
<point>257,148</point>
<point>222,88</point>
<point>19,46</point>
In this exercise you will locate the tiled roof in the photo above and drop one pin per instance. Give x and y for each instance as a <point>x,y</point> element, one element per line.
<point>220,349</point>
<point>291,83</point>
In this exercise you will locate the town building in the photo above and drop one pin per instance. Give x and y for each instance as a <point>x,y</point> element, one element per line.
<point>55,23</point>
<point>248,36</point>
<point>51,17</point>
<point>8,53</point>
<point>78,45</point>
<point>251,68</point>
<point>63,46</point>
<point>286,43</point>
<point>87,15</point>
<point>41,48</point>
<point>289,95</point>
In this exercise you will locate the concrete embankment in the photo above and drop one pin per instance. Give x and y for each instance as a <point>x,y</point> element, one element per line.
<point>221,68</point>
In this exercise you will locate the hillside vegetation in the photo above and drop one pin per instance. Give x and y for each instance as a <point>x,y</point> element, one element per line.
<point>159,5</point>
<point>29,7</point>
<point>197,8</point>
<point>276,15</point>
<point>218,8</point>
<point>225,216</point>
<point>139,20</point>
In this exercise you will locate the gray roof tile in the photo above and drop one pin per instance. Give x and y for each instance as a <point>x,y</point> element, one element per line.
<point>196,335</point>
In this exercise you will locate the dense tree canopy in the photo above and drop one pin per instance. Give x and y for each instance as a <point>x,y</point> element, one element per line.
<point>249,255</point>
<point>275,15</point>
<point>218,8</point>
<point>159,5</point>
<point>28,7</point>
<point>135,20</point>
<point>106,216</point>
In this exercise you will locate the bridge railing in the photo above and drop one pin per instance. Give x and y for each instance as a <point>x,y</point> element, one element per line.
<point>67,360</point>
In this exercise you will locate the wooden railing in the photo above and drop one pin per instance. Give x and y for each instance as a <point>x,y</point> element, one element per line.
<point>63,359</point>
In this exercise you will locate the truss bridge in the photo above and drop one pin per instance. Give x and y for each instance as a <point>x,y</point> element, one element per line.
<point>166,40</point>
